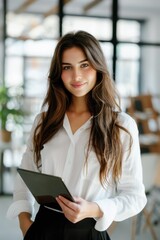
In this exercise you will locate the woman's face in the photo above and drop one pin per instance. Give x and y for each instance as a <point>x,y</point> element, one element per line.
<point>78,75</point>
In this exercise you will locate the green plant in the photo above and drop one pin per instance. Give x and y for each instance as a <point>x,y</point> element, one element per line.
<point>10,106</point>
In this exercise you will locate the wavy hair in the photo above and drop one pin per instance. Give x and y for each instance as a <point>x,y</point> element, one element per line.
<point>102,100</point>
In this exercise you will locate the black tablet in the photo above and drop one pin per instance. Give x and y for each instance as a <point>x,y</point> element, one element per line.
<point>45,188</point>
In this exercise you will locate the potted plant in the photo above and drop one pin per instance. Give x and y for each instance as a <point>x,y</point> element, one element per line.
<point>10,110</point>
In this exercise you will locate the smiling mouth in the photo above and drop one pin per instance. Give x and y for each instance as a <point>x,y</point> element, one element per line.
<point>78,85</point>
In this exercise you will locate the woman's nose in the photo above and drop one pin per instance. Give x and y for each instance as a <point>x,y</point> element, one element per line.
<point>77,75</point>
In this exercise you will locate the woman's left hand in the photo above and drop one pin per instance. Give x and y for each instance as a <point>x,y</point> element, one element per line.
<point>79,210</point>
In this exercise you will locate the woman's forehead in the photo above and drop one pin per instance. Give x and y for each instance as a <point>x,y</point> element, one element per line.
<point>74,53</point>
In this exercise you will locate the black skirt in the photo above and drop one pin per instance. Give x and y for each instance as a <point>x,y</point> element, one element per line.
<point>51,225</point>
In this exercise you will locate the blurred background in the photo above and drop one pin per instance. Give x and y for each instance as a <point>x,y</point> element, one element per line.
<point>129,34</point>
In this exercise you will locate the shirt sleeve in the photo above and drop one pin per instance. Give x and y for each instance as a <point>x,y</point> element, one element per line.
<point>23,200</point>
<point>130,196</point>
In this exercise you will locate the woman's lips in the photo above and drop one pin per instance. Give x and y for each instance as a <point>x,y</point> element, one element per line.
<point>77,85</point>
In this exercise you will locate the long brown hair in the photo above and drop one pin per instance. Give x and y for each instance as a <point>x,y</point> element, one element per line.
<point>102,103</point>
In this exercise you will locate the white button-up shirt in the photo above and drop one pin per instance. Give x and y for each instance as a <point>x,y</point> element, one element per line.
<point>65,155</point>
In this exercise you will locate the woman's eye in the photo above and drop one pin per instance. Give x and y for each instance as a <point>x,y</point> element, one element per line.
<point>66,67</point>
<point>84,65</point>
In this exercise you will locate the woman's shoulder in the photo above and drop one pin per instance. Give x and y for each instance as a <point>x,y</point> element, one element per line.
<point>38,118</point>
<point>125,120</point>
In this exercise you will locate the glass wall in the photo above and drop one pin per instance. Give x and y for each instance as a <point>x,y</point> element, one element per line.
<point>128,33</point>
<point>33,31</point>
<point>148,40</point>
<point>132,47</point>
<point>128,57</point>
<point>92,25</point>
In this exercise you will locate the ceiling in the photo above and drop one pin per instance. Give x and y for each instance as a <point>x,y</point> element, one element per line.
<point>88,7</point>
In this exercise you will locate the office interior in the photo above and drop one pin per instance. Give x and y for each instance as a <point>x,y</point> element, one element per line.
<point>129,34</point>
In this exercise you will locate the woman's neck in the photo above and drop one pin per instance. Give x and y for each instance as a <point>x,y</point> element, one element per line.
<point>78,105</point>
<point>78,113</point>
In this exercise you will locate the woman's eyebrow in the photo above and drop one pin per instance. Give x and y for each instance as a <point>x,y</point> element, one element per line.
<point>83,60</point>
<point>65,63</point>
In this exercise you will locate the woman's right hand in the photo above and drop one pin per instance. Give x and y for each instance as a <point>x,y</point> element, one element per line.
<point>25,222</point>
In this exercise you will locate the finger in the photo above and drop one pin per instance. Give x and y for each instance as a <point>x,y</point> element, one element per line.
<point>63,204</point>
<point>68,203</point>
<point>68,212</point>
<point>60,203</point>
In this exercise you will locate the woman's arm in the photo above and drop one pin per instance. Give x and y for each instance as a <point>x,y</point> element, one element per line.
<point>24,222</point>
<point>129,197</point>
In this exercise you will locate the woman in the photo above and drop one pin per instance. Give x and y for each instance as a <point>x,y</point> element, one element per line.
<point>83,137</point>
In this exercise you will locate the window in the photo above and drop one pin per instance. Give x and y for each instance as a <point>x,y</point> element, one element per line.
<point>128,57</point>
<point>101,28</point>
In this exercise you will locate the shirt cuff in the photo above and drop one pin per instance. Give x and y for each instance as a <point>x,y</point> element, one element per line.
<point>17,207</point>
<point>109,209</point>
